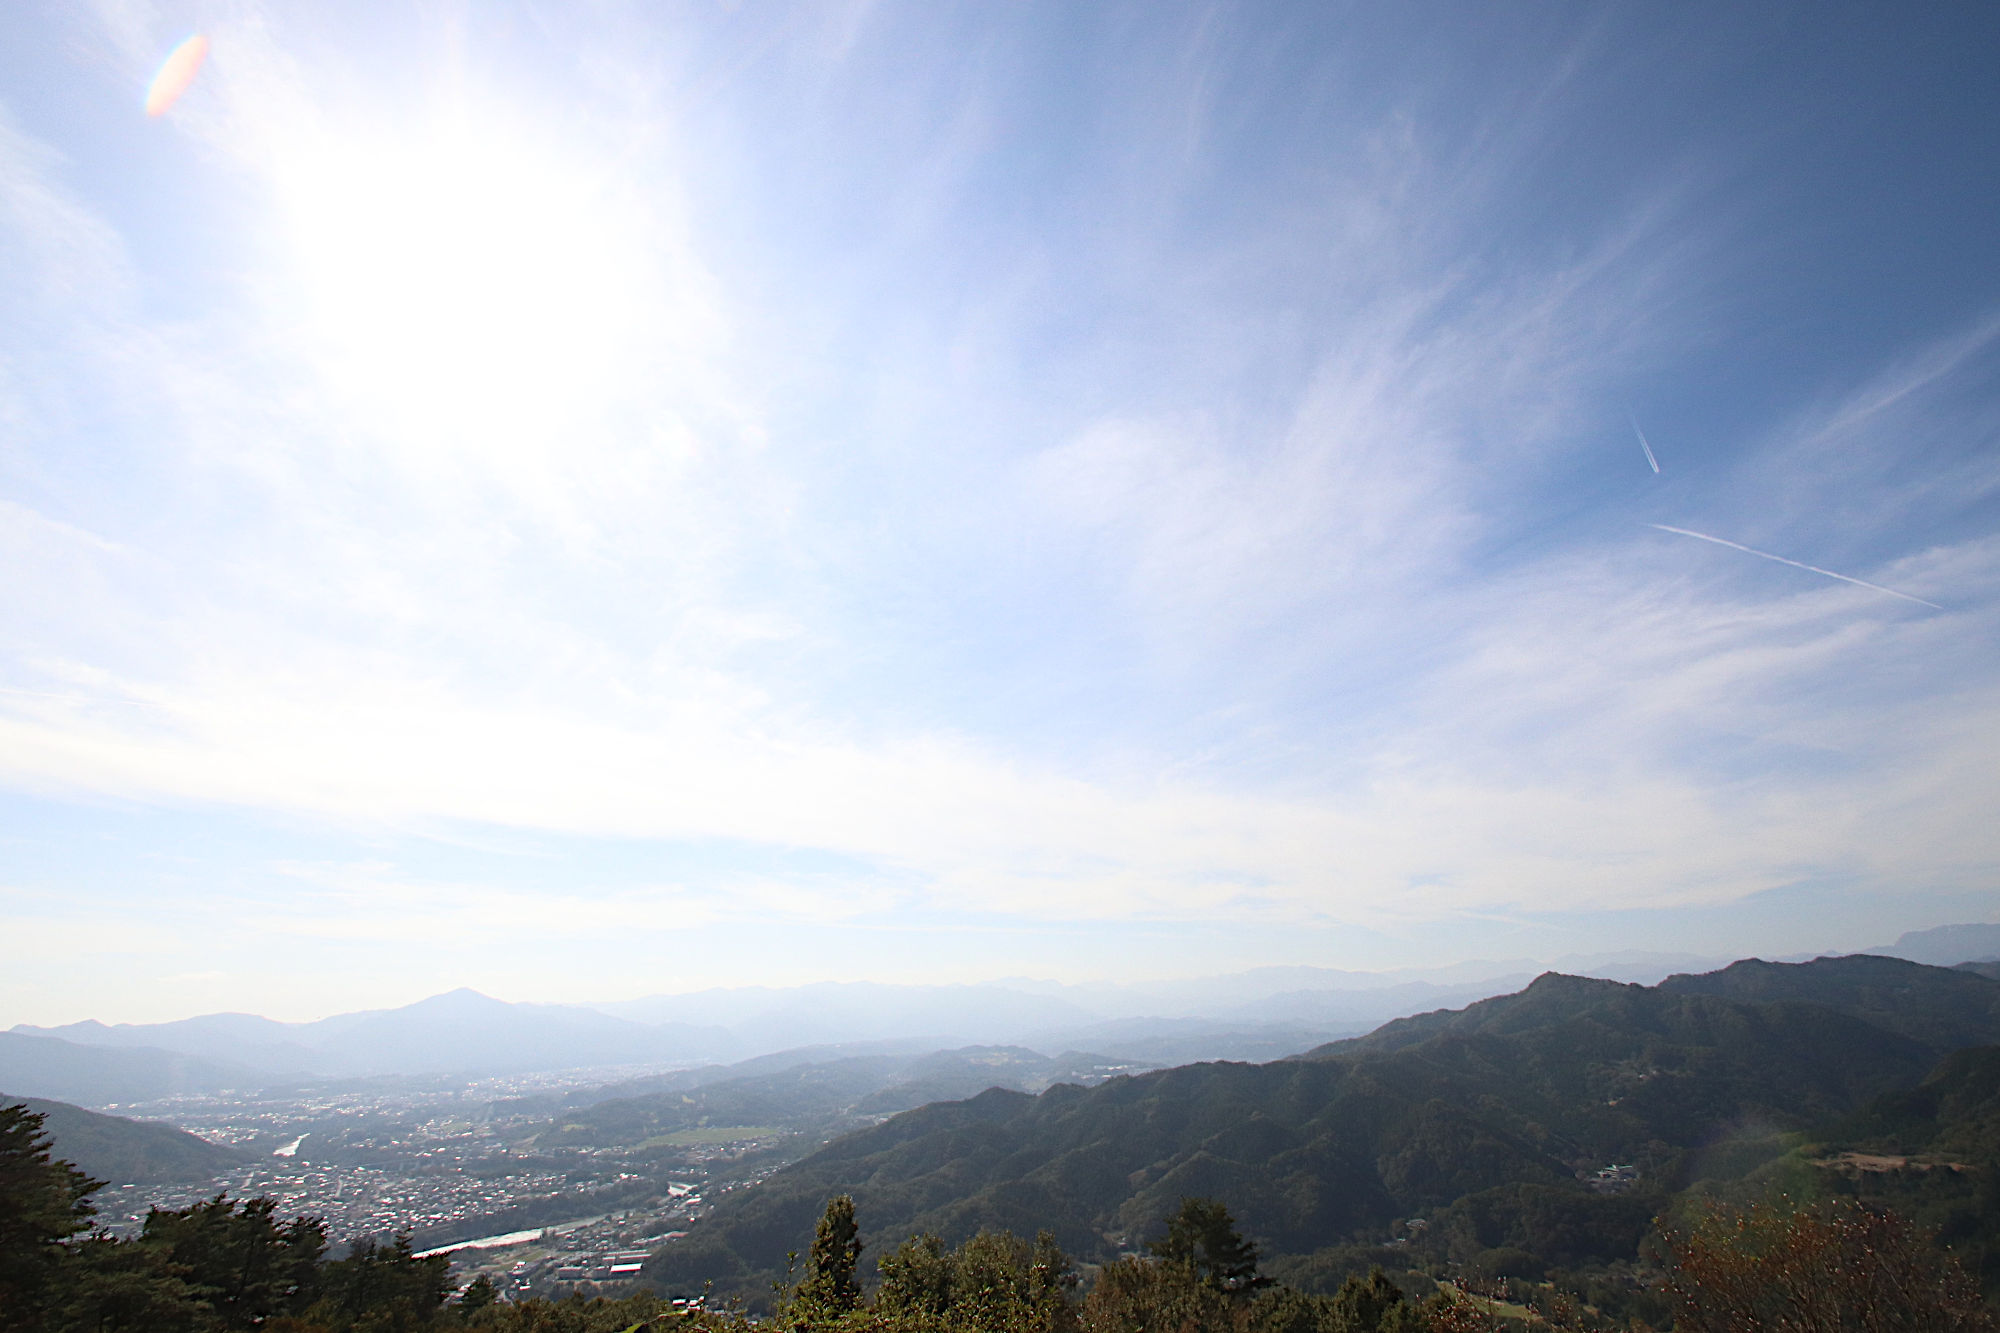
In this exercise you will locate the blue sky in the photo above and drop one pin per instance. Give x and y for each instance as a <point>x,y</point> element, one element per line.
<point>583,501</point>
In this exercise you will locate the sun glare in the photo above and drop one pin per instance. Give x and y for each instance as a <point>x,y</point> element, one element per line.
<point>466,281</point>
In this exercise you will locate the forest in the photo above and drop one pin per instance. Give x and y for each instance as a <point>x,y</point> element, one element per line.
<point>228,1266</point>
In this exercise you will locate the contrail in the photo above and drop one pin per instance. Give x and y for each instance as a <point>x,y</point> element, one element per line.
<point>1647,447</point>
<point>1795,564</point>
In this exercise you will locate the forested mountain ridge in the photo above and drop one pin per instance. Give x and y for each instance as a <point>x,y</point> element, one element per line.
<point>1941,1009</point>
<point>123,1151</point>
<point>1567,1076</point>
<point>1944,1008</point>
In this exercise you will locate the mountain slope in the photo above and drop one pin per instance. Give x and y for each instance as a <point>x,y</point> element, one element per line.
<point>1565,1076</point>
<point>1954,1112</point>
<point>1945,1008</point>
<point>127,1152</point>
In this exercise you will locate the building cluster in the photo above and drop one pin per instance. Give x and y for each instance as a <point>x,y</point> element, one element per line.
<point>422,1162</point>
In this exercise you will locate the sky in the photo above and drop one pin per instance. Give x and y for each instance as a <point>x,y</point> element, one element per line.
<point>593,500</point>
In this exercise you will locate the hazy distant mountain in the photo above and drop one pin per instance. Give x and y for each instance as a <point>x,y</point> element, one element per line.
<point>127,1152</point>
<point>764,1018</point>
<point>38,1066</point>
<point>1946,946</point>
<point>1253,1013</point>
<point>1360,1010</point>
<point>462,1032</point>
<point>1260,1014</point>
<point>466,1032</point>
<point>813,1097</point>
<point>1638,967</point>
<point>1157,1042</point>
<point>242,1039</point>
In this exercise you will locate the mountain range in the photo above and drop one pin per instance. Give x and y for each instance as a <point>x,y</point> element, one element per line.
<point>1256,1015</point>
<point>1509,1100</point>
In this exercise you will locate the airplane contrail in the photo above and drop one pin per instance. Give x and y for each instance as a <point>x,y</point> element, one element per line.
<point>1647,447</point>
<point>1795,564</point>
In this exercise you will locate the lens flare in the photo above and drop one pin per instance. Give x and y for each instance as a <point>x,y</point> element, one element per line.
<point>176,72</point>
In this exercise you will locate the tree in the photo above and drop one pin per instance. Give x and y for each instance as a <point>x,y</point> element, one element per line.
<point>831,1288</point>
<point>1834,1267</point>
<point>478,1294</point>
<point>43,1202</point>
<point>1203,1236</point>
<point>1360,1304</point>
<point>382,1287</point>
<point>1134,1296</point>
<point>238,1259</point>
<point>108,1284</point>
<point>993,1283</point>
<point>916,1279</point>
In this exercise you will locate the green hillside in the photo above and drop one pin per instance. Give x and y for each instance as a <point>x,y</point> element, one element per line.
<point>1944,1008</point>
<point>1521,1093</point>
<point>1955,1113</point>
<point>127,1152</point>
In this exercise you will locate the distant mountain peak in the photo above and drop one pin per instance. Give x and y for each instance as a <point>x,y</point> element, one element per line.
<point>1568,983</point>
<point>1944,946</point>
<point>463,998</point>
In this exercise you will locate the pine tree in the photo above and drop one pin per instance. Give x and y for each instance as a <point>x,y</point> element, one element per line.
<point>831,1287</point>
<point>43,1202</point>
<point>1203,1236</point>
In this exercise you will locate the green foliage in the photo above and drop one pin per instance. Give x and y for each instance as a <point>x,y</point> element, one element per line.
<point>113,1285</point>
<point>1145,1296</point>
<point>643,1313</point>
<point>382,1289</point>
<point>1559,1226</point>
<point>832,1285</point>
<point>1203,1236</point>
<point>43,1202</point>
<point>1361,1304</point>
<point>995,1281</point>
<point>478,1295</point>
<point>1283,1310</point>
<point>916,1280</point>
<point>239,1261</point>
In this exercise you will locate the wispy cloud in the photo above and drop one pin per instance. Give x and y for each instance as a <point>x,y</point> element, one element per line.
<point>1141,532</point>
